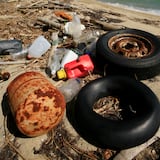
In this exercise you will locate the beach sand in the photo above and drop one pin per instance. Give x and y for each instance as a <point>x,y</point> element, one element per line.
<point>20,24</point>
<point>130,19</point>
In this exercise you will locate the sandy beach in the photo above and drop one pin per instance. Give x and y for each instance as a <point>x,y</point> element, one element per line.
<point>130,19</point>
<point>18,20</point>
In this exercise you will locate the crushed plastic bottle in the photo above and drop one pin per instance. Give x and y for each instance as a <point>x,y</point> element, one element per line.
<point>55,55</point>
<point>70,88</point>
<point>55,60</point>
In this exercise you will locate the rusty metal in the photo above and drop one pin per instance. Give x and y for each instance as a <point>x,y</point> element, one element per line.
<point>131,46</point>
<point>36,104</point>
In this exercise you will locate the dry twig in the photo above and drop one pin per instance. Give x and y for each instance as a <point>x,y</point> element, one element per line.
<point>8,142</point>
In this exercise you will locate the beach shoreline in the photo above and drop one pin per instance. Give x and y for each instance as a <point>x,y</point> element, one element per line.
<point>138,6</point>
<point>130,18</point>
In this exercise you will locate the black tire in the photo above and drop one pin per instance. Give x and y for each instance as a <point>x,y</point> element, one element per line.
<point>143,68</point>
<point>133,130</point>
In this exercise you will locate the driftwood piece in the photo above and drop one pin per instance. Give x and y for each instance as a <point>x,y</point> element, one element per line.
<point>49,4</point>
<point>3,17</point>
<point>50,22</point>
<point>106,26</point>
<point>13,62</point>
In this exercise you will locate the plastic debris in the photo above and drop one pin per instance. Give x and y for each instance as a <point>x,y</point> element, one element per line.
<point>74,27</point>
<point>68,57</point>
<point>70,88</point>
<point>77,68</point>
<point>88,36</point>
<point>55,60</point>
<point>63,14</point>
<point>38,47</point>
<point>10,46</point>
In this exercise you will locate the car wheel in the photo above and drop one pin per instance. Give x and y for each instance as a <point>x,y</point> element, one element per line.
<point>130,52</point>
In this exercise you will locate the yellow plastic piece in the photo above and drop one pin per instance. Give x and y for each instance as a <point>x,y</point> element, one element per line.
<point>61,74</point>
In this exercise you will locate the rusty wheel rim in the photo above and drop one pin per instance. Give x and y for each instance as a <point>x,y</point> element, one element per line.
<point>131,46</point>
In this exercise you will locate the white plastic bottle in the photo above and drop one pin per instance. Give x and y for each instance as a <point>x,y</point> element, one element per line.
<point>38,47</point>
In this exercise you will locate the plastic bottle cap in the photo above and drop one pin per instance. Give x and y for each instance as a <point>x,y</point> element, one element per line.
<point>61,74</point>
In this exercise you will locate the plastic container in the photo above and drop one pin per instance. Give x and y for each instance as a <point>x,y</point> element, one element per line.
<point>54,55</point>
<point>54,63</point>
<point>68,57</point>
<point>77,68</point>
<point>36,104</point>
<point>80,67</point>
<point>74,27</point>
<point>70,88</point>
<point>38,47</point>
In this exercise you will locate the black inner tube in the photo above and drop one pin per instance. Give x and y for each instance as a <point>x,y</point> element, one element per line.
<point>141,110</point>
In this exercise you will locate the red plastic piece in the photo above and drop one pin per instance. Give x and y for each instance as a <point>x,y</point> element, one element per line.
<point>80,67</point>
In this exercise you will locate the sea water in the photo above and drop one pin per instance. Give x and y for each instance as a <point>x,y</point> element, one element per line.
<point>149,6</point>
